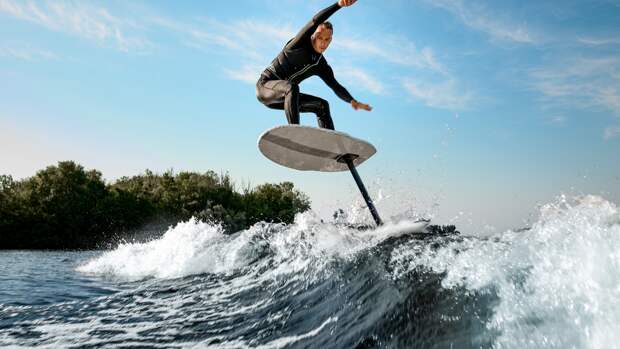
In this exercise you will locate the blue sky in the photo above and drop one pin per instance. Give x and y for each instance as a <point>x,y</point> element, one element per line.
<point>484,110</point>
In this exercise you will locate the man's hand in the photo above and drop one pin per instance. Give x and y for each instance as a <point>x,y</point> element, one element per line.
<point>345,3</point>
<point>357,105</point>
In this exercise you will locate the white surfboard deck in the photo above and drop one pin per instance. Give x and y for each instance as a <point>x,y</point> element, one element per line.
<point>308,148</point>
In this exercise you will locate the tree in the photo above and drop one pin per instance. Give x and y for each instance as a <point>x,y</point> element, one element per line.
<point>275,202</point>
<point>63,205</point>
<point>67,207</point>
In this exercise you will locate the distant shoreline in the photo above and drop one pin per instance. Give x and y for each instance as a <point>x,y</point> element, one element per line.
<point>65,207</point>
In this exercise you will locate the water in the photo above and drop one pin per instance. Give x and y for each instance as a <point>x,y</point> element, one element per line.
<point>323,285</point>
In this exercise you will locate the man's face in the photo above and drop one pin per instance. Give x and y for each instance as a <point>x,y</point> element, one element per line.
<point>322,39</point>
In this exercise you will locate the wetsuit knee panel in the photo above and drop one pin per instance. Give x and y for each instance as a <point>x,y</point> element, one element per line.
<point>292,89</point>
<point>322,106</point>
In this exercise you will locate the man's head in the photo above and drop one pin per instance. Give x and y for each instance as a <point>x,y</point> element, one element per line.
<point>322,37</point>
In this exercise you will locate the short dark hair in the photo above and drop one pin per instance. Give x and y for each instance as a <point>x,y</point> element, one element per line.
<point>327,25</point>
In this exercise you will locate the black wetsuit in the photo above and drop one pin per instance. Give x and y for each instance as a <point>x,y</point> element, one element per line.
<point>278,85</point>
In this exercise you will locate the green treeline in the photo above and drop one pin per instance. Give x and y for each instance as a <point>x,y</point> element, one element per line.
<point>67,207</point>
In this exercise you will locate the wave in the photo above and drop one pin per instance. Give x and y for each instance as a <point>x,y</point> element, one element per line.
<point>324,284</point>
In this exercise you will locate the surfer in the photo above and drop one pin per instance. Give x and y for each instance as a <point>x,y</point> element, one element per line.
<point>301,58</point>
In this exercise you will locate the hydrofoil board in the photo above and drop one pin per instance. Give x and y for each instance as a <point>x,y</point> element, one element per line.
<point>308,148</point>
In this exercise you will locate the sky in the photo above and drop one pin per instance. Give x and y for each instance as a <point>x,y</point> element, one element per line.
<point>483,110</point>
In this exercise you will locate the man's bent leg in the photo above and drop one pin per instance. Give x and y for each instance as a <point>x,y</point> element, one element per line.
<point>291,104</point>
<point>319,106</point>
<point>280,94</point>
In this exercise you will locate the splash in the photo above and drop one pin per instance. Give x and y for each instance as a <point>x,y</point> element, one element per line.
<point>558,283</point>
<point>196,247</point>
<point>555,284</point>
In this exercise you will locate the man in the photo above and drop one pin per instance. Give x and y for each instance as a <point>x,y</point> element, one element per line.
<point>302,57</point>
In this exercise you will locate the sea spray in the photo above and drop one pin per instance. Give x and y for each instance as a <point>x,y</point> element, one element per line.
<point>557,283</point>
<point>337,284</point>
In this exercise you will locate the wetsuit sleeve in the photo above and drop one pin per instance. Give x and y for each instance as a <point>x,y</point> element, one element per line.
<point>311,26</point>
<point>326,73</point>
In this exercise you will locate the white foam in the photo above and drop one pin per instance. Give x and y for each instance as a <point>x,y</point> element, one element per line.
<point>195,247</point>
<point>558,283</point>
<point>188,248</point>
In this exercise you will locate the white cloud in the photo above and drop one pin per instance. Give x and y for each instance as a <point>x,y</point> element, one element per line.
<point>558,120</point>
<point>592,41</point>
<point>434,84</point>
<point>444,95</point>
<point>585,83</point>
<point>251,39</point>
<point>611,132</point>
<point>257,43</point>
<point>77,18</point>
<point>251,42</point>
<point>581,82</point>
<point>247,73</point>
<point>25,52</point>
<point>252,30</point>
<point>609,96</point>
<point>393,50</point>
<point>477,17</point>
<point>363,79</point>
<point>254,43</point>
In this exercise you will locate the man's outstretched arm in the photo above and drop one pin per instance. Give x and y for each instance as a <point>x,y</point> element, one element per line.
<point>327,75</point>
<point>322,16</point>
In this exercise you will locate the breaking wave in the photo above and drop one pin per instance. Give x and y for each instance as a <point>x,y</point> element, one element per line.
<point>314,284</point>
